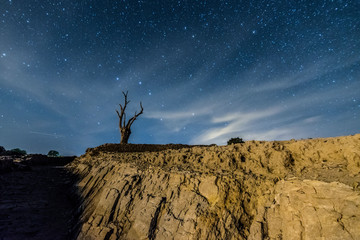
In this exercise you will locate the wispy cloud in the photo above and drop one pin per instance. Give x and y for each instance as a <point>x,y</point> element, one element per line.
<point>233,123</point>
<point>265,118</point>
<point>311,71</point>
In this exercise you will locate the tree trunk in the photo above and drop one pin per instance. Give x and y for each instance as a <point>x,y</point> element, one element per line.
<point>125,134</point>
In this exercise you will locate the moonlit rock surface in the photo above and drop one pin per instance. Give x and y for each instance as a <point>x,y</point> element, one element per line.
<point>306,189</point>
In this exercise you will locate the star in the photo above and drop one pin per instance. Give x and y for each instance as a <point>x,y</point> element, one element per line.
<point>264,67</point>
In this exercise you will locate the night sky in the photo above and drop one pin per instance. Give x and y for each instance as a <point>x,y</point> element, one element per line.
<point>205,71</point>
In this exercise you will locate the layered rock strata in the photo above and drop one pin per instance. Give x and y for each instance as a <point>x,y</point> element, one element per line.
<point>306,189</point>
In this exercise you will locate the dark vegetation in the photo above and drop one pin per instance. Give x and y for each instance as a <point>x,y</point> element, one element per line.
<point>53,153</point>
<point>235,140</point>
<point>17,160</point>
<point>113,147</point>
<point>44,160</point>
<point>12,152</point>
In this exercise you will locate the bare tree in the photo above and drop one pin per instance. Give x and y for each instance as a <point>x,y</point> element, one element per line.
<point>124,127</point>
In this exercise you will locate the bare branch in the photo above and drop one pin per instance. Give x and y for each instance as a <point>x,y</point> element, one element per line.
<point>122,115</point>
<point>131,120</point>
<point>126,101</point>
<point>117,113</point>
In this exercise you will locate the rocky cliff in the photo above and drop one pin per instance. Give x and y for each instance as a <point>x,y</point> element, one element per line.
<point>306,189</point>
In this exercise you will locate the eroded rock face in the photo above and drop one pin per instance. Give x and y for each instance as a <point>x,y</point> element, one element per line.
<point>309,209</point>
<point>257,190</point>
<point>129,203</point>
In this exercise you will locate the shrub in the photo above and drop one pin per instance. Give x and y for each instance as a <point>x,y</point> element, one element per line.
<point>235,140</point>
<point>2,149</point>
<point>53,153</point>
<point>17,152</point>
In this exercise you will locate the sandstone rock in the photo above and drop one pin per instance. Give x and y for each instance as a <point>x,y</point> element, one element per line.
<point>309,210</point>
<point>304,189</point>
<point>209,190</point>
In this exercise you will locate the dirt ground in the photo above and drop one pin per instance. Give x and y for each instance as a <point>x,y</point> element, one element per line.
<point>37,204</point>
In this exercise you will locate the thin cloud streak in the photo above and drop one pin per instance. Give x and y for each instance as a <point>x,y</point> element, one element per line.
<point>309,73</point>
<point>234,123</point>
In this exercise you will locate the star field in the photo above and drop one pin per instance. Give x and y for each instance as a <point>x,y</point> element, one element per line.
<point>205,71</point>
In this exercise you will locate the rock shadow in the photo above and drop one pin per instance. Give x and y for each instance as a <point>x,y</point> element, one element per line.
<point>39,203</point>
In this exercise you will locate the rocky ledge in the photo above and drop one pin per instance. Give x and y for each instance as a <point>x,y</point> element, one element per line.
<point>305,189</point>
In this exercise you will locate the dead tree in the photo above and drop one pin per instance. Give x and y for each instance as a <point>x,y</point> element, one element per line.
<point>124,127</point>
